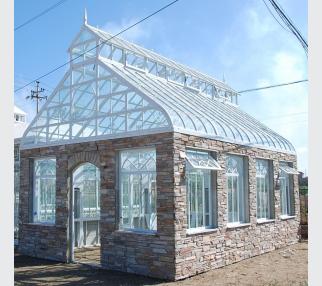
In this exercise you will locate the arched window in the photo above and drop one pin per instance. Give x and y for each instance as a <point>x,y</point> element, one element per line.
<point>138,189</point>
<point>236,189</point>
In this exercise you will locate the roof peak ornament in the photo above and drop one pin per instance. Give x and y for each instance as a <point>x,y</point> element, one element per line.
<point>85,16</point>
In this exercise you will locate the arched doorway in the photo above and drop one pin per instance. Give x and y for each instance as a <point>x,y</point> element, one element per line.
<point>86,213</point>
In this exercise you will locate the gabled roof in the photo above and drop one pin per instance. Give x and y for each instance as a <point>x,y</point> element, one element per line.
<point>103,98</point>
<point>196,114</point>
<point>17,110</point>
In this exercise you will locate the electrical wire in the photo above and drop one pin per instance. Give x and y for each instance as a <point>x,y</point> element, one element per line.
<point>272,86</point>
<point>269,10</point>
<point>103,42</point>
<point>21,77</point>
<point>40,14</point>
<point>287,20</point>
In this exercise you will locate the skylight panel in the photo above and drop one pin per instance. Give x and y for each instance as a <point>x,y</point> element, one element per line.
<point>202,160</point>
<point>288,170</point>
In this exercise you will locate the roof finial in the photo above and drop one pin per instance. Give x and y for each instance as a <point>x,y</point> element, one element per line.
<point>85,16</point>
<point>223,77</point>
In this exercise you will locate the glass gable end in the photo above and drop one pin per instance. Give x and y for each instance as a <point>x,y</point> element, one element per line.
<point>92,102</point>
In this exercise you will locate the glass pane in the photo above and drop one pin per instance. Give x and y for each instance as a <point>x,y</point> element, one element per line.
<point>135,60</point>
<point>199,198</point>
<point>264,191</point>
<point>138,189</point>
<point>86,184</point>
<point>235,188</point>
<point>44,192</point>
<point>283,196</point>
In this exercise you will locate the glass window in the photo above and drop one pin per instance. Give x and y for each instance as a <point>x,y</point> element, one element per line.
<point>44,190</point>
<point>16,190</point>
<point>264,188</point>
<point>200,197</point>
<point>237,195</point>
<point>138,189</point>
<point>286,189</point>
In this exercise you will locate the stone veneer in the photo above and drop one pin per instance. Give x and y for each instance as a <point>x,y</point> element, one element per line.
<point>197,253</point>
<point>142,253</point>
<point>171,252</point>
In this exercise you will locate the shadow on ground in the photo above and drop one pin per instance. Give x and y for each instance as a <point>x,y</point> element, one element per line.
<point>34,271</point>
<point>286,266</point>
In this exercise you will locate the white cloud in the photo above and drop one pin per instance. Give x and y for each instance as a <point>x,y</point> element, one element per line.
<point>135,34</point>
<point>258,26</point>
<point>268,55</point>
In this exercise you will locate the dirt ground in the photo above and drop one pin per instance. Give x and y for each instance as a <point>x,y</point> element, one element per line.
<point>287,267</point>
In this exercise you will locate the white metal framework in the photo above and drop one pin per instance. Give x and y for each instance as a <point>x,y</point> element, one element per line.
<point>119,89</point>
<point>288,170</point>
<point>202,160</point>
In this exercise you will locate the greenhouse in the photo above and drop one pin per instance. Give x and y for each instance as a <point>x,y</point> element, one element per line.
<point>140,164</point>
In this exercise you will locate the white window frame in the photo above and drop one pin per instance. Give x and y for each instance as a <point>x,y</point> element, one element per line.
<point>242,190</point>
<point>201,167</point>
<point>36,193</point>
<point>131,195</point>
<point>264,179</point>
<point>286,175</point>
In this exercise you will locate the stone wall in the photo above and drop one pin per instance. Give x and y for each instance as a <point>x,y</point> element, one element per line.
<point>43,241</point>
<point>169,253</point>
<point>142,253</point>
<point>197,253</point>
<point>148,254</point>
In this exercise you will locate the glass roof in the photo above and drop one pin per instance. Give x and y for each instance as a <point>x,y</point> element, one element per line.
<point>111,93</point>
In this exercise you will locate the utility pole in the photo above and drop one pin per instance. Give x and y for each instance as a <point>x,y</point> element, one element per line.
<point>35,94</point>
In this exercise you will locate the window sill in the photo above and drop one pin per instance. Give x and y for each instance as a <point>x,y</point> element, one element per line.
<point>285,217</point>
<point>40,223</point>
<point>237,225</point>
<point>263,221</point>
<point>201,231</point>
<point>152,233</point>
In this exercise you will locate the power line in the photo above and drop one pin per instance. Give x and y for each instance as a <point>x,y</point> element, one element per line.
<point>272,86</point>
<point>21,77</point>
<point>269,10</point>
<point>287,20</point>
<point>40,14</point>
<point>35,94</point>
<point>103,42</point>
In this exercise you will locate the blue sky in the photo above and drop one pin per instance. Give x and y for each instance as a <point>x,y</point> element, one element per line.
<point>235,38</point>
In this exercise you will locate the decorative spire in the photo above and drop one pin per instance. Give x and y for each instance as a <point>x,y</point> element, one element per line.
<point>85,17</point>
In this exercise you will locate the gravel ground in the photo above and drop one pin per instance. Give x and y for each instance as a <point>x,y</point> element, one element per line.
<point>287,267</point>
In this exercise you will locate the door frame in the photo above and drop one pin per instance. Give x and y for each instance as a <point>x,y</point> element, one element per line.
<point>71,211</point>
